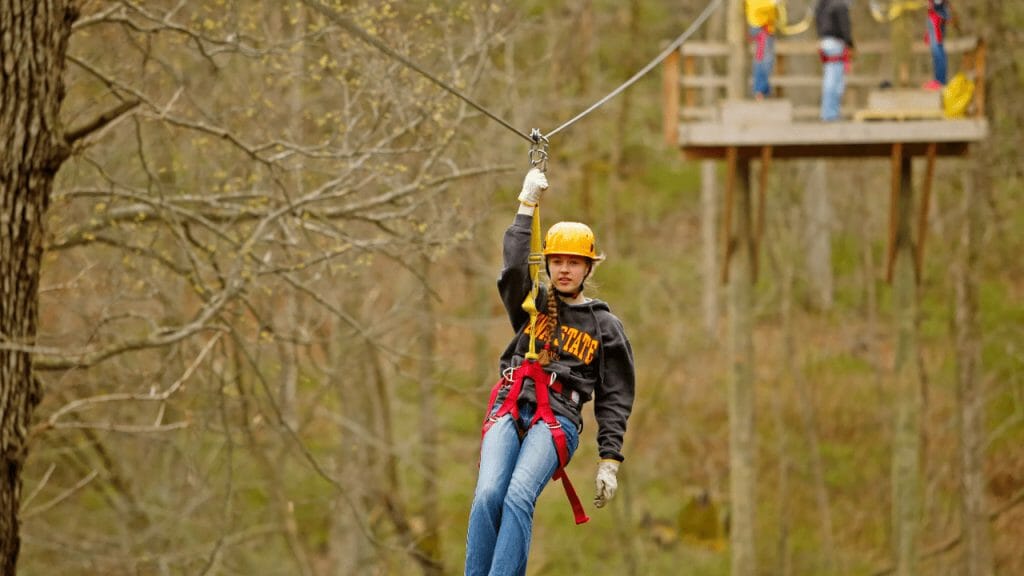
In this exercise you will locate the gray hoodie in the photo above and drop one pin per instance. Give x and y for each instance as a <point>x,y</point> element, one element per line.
<point>595,359</point>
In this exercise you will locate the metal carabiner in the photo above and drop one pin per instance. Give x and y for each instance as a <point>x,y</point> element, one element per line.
<point>538,151</point>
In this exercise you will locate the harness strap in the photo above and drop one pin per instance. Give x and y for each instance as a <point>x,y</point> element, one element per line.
<point>761,39</point>
<point>534,371</point>
<point>844,58</point>
<point>936,20</point>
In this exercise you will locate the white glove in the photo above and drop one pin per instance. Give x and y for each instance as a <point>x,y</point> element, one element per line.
<point>606,482</point>
<point>534,186</point>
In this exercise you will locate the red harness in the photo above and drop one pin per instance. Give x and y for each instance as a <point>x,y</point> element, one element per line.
<point>761,40</point>
<point>844,58</point>
<point>935,19</point>
<point>533,370</point>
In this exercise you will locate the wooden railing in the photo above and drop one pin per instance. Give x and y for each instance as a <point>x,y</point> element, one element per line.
<point>694,79</point>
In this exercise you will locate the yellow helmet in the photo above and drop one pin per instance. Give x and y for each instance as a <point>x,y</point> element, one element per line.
<point>571,238</point>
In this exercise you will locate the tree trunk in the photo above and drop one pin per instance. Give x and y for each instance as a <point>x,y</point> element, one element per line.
<point>742,468</point>
<point>709,244</point>
<point>906,466</point>
<point>711,297</point>
<point>430,542</point>
<point>977,556</point>
<point>819,235</point>
<point>33,41</point>
<point>286,331</point>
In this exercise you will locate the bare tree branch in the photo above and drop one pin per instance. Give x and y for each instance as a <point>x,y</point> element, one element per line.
<point>102,121</point>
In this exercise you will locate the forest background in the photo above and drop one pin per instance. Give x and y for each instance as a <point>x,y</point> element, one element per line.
<point>268,321</point>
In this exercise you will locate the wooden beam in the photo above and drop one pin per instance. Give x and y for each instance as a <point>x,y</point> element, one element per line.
<point>922,215</point>
<point>731,165</point>
<point>980,58</point>
<point>704,80</point>
<point>784,152</point>
<point>762,197</point>
<point>894,208</point>
<point>810,47</point>
<point>814,81</point>
<point>689,71</point>
<point>758,134</point>
<point>670,98</point>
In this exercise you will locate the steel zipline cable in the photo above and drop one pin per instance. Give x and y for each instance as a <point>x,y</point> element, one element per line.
<point>535,137</point>
<point>708,10</point>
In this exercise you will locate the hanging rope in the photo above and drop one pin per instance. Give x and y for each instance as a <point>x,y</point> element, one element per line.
<point>351,27</point>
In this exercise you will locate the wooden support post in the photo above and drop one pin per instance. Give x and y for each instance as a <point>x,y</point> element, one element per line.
<point>780,70</point>
<point>980,54</point>
<point>731,165</point>
<point>670,99</point>
<point>922,215</point>
<point>762,196</point>
<point>690,70</point>
<point>894,207</point>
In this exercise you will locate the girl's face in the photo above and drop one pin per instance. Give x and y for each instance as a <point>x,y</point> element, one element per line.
<point>568,272</point>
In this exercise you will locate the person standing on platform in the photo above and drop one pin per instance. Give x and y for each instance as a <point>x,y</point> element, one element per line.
<point>761,22</point>
<point>938,15</point>
<point>835,45</point>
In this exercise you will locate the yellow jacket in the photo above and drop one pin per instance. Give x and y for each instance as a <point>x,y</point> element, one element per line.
<point>762,14</point>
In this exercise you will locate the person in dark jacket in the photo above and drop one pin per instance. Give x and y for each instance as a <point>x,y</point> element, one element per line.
<point>585,355</point>
<point>835,44</point>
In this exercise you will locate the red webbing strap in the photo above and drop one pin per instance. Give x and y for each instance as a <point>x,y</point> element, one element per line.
<point>545,413</point>
<point>761,38</point>
<point>935,19</point>
<point>509,406</point>
<point>844,58</point>
<point>533,370</point>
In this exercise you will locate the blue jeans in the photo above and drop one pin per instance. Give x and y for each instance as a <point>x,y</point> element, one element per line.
<point>939,64</point>
<point>513,473</point>
<point>762,69</point>
<point>833,79</point>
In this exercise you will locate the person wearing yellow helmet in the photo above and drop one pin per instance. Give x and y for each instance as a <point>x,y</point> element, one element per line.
<point>761,22</point>
<point>586,356</point>
<point>569,249</point>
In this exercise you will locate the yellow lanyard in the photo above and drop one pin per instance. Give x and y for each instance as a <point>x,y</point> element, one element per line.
<point>538,159</point>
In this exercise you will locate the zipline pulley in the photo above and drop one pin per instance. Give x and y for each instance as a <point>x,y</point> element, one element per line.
<point>538,150</point>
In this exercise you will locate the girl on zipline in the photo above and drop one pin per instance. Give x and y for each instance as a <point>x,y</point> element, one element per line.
<point>533,420</point>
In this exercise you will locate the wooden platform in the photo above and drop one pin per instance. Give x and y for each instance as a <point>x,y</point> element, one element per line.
<point>711,140</point>
<point>698,120</point>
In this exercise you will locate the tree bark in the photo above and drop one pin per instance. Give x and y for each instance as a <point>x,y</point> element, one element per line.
<point>430,540</point>
<point>742,466</point>
<point>709,187</point>
<point>906,466</point>
<point>709,245</point>
<point>33,42</point>
<point>977,556</point>
<point>819,235</point>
